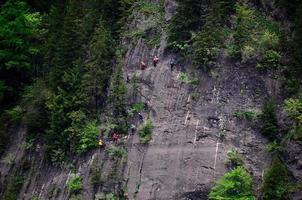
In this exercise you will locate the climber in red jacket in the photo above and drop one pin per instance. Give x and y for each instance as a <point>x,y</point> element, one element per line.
<point>155,61</point>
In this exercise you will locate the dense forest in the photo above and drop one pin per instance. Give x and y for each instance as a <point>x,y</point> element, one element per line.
<point>62,76</point>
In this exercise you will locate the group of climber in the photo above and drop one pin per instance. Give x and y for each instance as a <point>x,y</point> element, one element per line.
<point>116,136</point>
<point>155,60</point>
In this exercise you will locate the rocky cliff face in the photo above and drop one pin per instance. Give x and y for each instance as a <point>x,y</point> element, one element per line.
<point>194,128</point>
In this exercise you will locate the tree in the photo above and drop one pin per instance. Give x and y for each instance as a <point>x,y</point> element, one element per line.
<point>18,32</point>
<point>236,184</point>
<point>269,126</point>
<point>99,65</point>
<point>118,93</point>
<point>276,182</point>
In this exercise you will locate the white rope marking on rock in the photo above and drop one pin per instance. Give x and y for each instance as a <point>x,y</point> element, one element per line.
<point>196,132</point>
<point>188,101</point>
<point>178,75</point>
<point>217,146</point>
<point>186,120</point>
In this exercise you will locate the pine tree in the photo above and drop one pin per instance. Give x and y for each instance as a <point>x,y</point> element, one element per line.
<point>236,184</point>
<point>118,93</point>
<point>276,182</point>
<point>99,66</point>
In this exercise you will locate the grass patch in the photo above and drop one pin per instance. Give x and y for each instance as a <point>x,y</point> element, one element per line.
<point>236,184</point>
<point>234,158</point>
<point>184,78</point>
<point>75,184</point>
<point>145,131</point>
<point>153,24</point>
<point>246,114</point>
<point>136,108</point>
<point>13,187</point>
<point>274,147</point>
<point>116,152</point>
<point>276,182</point>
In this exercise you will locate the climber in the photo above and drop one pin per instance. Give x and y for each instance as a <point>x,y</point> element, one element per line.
<point>140,116</point>
<point>172,63</point>
<point>155,61</point>
<point>101,143</point>
<point>116,137</point>
<point>133,128</point>
<point>128,78</point>
<point>143,65</point>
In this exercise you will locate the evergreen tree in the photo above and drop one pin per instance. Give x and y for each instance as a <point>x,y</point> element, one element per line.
<point>99,65</point>
<point>297,41</point>
<point>236,184</point>
<point>18,32</point>
<point>118,93</point>
<point>276,182</point>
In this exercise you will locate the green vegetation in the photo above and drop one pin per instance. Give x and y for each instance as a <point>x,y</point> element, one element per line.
<point>115,152</point>
<point>117,100</point>
<point>236,184</point>
<point>75,184</point>
<point>107,196</point>
<point>293,107</point>
<point>15,114</point>
<point>206,47</point>
<point>150,29</point>
<point>256,37</point>
<point>89,137</point>
<point>234,158</point>
<point>184,78</point>
<point>13,187</point>
<point>72,71</point>
<point>19,40</point>
<point>136,108</point>
<point>274,147</point>
<point>269,126</point>
<point>145,131</point>
<point>246,114</point>
<point>19,32</point>
<point>96,172</point>
<point>276,182</point>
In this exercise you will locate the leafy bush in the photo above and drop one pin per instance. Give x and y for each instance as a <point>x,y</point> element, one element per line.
<point>276,182</point>
<point>271,59</point>
<point>74,184</point>
<point>269,126</point>
<point>136,108</point>
<point>115,152</point>
<point>274,147</point>
<point>206,47</point>
<point>153,22</point>
<point>236,184</point>
<point>293,107</point>
<point>246,114</point>
<point>89,136</point>
<point>184,78</point>
<point>15,114</point>
<point>4,137</point>
<point>13,187</point>
<point>145,131</point>
<point>256,37</point>
<point>234,158</point>
<point>36,115</point>
<point>103,196</point>
<point>96,177</point>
